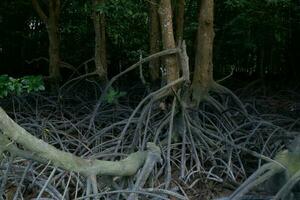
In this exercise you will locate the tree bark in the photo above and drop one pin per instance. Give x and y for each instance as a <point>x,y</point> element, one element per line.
<point>52,28</point>
<point>100,42</point>
<point>52,23</point>
<point>203,73</point>
<point>180,20</point>
<point>166,22</point>
<point>154,65</point>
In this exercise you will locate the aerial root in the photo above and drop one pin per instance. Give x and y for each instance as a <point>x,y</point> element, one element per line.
<point>198,144</point>
<point>288,186</point>
<point>261,175</point>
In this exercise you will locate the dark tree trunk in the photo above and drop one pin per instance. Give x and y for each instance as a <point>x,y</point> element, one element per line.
<point>100,42</point>
<point>53,33</point>
<point>154,65</point>
<point>180,20</point>
<point>52,24</point>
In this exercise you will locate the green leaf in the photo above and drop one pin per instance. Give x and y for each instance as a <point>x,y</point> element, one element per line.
<point>113,95</point>
<point>10,85</point>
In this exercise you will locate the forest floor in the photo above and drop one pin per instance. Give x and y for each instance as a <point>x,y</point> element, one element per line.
<point>276,104</point>
<point>63,120</point>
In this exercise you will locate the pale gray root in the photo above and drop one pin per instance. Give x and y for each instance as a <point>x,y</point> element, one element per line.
<point>285,191</point>
<point>46,184</point>
<point>153,157</point>
<point>169,142</point>
<point>259,176</point>
<point>94,184</point>
<point>4,178</point>
<point>65,160</point>
<point>2,149</point>
<point>88,188</point>
<point>20,183</point>
<point>156,95</point>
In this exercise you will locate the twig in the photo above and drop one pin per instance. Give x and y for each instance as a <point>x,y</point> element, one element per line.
<point>21,181</point>
<point>46,184</point>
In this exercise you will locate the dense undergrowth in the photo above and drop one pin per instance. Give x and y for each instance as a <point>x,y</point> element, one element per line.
<point>206,151</point>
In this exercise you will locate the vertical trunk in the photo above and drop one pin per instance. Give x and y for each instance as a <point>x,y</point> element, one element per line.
<point>100,42</point>
<point>52,23</point>
<point>103,42</point>
<point>180,20</point>
<point>203,73</point>
<point>165,13</point>
<point>53,34</point>
<point>154,65</point>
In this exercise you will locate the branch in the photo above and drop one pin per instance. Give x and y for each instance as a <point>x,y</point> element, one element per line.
<point>132,67</point>
<point>7,145</point>
<point>65,160</point>
<point>39,11</point>
<point>152,159</point>
<point>226,77</point>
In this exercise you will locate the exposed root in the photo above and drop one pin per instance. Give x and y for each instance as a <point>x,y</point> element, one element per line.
<point>213,142</point>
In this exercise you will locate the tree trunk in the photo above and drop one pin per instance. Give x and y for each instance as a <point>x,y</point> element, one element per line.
<point>165,13</point>
<point>203,73</point>
<point>53,34</point>
<point>180,20</point>
<point>154,65</point>
<point>100,42</point>
<point>52,23</point>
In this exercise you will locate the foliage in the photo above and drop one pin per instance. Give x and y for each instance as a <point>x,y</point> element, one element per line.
<point>127,29</point>
<point>16,86</point>
<point>248,29</point>
<point>77,31</point>
<point>113,95</point>
<point>245,29</point>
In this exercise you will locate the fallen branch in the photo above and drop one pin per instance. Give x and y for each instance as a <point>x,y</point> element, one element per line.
<point>65,160</point>
<point>151,160</point>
